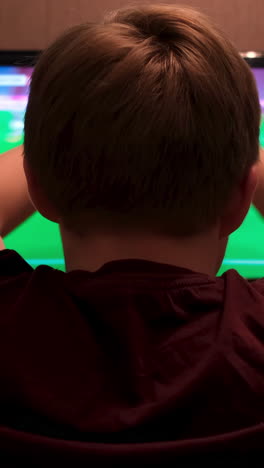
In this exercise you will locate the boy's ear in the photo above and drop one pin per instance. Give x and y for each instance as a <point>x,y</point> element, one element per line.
<point>239,204</point>
<point>38,198</point>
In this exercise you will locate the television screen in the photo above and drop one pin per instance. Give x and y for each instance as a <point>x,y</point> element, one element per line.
<point>37,239</point>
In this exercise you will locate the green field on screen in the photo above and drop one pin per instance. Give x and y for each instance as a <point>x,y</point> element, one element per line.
<point>38,241</point>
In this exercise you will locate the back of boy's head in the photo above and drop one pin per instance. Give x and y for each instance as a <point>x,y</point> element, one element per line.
<point>147,120</point>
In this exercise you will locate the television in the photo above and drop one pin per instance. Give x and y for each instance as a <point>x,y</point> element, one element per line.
<point>38,240</point>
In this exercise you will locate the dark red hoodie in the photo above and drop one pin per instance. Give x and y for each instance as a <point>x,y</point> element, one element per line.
<point>138,362</point>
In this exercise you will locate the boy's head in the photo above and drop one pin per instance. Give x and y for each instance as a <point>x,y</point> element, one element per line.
<point>148,121</point>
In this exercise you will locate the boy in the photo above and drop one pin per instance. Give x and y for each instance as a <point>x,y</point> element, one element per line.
<point>142,142</point>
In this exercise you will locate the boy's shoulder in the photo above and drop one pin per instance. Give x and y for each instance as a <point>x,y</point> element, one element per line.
<point>12,264</point>
<point>21,287</point>
<point>237,287</point>
<point>242,302</point>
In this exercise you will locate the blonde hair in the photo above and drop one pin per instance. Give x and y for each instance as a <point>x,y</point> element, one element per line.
<point>146,120</point>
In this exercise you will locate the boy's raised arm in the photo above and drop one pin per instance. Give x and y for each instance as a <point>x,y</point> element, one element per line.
<point>15,204</point>
<point>259,194</point>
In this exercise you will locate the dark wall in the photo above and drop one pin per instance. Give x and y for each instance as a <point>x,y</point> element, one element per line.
<point>32,24</point>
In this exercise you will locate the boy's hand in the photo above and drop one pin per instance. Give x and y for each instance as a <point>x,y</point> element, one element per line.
<point>2,245</point>
<point>258,200</point>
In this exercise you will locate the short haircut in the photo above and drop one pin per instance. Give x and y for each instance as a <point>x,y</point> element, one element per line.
<point>147,120</point>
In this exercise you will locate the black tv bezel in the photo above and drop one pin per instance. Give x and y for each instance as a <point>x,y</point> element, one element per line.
<point>19,58</point>
<point>29,58</point>
<point>255,62</point>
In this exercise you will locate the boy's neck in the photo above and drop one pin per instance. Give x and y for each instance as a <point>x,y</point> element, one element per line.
<point>203,253</point>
